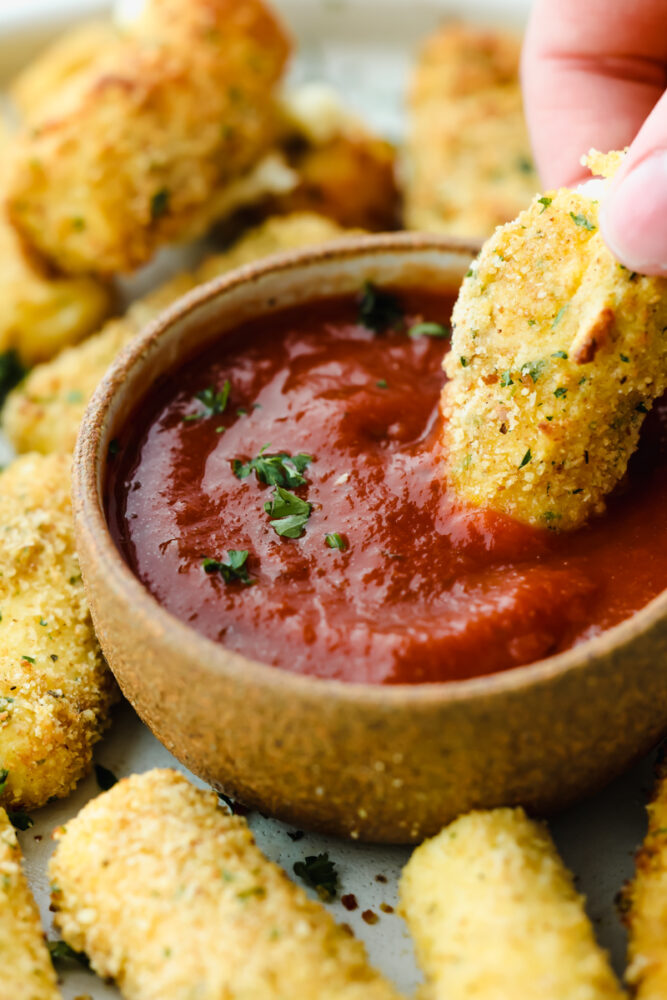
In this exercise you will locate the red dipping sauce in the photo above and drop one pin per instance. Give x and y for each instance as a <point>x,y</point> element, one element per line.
<point>422,589</point>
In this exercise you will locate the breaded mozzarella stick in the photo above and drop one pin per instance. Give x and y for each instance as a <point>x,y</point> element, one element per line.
<point>169,896</point>
<point>27,972</point>
<point>495,916</point>
<point>557,354</point>
<point>129,152</point>
<point>55,688</point>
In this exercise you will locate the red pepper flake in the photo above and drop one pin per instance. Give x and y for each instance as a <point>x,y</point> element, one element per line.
<point>349,901</point>
<point>380,878</point>
<point>369,917</point>
<point>386,908</point>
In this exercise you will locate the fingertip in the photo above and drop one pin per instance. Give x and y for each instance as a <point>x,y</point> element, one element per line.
<point>633,216</point>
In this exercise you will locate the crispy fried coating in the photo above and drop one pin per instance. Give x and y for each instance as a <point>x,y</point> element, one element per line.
<point>44,413</point>
<point>27,972</point>
<point>494,915</point>
<point>644,904</point>
<point>557,354</point>
<point>168,895</point>
<point>70,55</point>
<point>55,689</point>
<point>467,165</point>
<point>41,313</point>
<point>127,154</point>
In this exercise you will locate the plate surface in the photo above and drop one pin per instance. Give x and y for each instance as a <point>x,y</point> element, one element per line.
<point>363,47</point>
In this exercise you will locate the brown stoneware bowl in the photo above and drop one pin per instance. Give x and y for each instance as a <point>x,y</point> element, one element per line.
<point>379,763</point>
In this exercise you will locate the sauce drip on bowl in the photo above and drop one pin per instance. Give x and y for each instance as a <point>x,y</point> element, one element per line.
<point>390,580</point>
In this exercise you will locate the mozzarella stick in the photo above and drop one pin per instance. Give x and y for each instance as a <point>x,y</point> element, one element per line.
<point>495,916</point>
<point>27,972</point>
<point>558,353</point>
<point>55,688</point>
<point>169,896</point>
<point>131,149</point>
<point>644,904</point>
<point>467,165</point>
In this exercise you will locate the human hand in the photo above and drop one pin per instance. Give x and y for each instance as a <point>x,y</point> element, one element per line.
<point>594,74</point>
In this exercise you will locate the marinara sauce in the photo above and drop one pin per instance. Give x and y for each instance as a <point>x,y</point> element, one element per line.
<point>386,578</point>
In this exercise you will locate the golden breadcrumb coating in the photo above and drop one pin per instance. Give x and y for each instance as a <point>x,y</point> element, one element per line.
<point>129,151</point>
<point>494,915</point>
<point>169,896</point>
<point>603,164</point>
<point>27,972</point>
<point>644,904</point>
<point>467,165</point>
<point>44,413</point>
<point>71,54</point>
<point>41,313</point>
<point>557,354</point>
<point>55,689</point>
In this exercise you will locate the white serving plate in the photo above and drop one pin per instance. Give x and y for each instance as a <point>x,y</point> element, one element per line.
<point>364,48</point>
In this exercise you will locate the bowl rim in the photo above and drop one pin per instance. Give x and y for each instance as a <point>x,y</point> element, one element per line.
<point>90,518</point>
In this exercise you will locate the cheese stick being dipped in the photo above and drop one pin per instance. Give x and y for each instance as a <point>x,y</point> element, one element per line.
<point>494,915</point>
<point>169,896</point>
<point>27,972</point>
<point>557,354</point>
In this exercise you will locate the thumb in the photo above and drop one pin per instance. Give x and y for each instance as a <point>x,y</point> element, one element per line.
<point>633,215</point>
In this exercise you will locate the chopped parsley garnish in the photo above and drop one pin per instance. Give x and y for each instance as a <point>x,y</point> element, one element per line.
<point>544,202</point>
<point>379,310</point>
<point>159,204</point>
<point>428,330</point>
<point>4,775</point>
<point>20,820</point>
<point>624,358</point>
<point>60,951</point>
<point>533,368</point>
<point>464,362</point>
<point>214,403</point>
<point>288,513</point>
<point>506,379</point>
<point>641,408</point>
<point>30,659</point>
<point>319,872</point>
<point>241,411</point>
<point>12,371</point>
<point>560,354</point>
<point>106,779</point>
<point>559,315</point>
<point>581,220</point>
<point>230,569</point>
<point>381,383</point>
<point>560,392</point>
<point>526,459</point>
<point>280,469</point>
<point>335,541</point>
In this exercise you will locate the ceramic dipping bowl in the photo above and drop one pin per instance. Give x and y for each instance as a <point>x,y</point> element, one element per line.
<point>378,763</point>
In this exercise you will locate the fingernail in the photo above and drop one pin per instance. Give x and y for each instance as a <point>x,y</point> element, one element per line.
<point>633,216</point>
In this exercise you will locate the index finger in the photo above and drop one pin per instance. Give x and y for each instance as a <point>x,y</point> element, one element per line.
<point>592,70</point>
